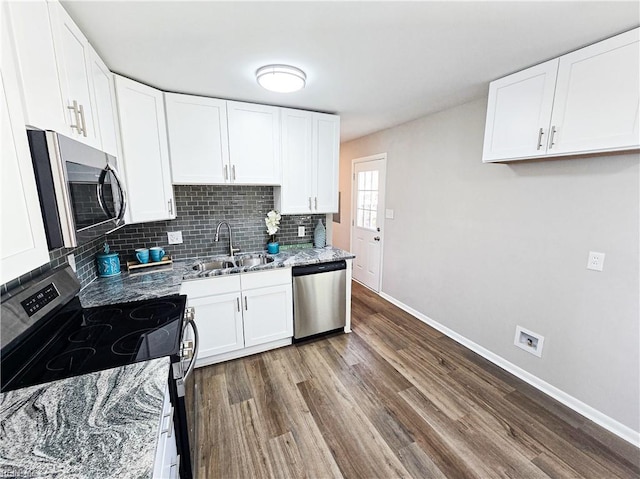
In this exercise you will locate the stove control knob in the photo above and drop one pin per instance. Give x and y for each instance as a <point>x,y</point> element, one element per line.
<point>189,313</point>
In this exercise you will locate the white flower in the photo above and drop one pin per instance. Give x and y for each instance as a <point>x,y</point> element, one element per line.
<point>272,221</point>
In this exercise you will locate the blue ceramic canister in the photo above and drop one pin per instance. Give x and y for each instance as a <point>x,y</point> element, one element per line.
<point>108,263</point>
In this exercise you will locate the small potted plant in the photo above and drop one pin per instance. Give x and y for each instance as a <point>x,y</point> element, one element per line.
<point>272,221</point>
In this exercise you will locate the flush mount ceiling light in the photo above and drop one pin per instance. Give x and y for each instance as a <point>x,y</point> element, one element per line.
<point>281,78</point>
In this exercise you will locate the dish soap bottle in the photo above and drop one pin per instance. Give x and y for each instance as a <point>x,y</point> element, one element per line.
<point>319,236</point>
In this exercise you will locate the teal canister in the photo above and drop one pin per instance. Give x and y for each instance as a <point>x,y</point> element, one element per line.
<point>108,263</point>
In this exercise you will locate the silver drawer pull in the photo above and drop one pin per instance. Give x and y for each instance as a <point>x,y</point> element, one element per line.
<point>540,133</point>
<point>553,133</point>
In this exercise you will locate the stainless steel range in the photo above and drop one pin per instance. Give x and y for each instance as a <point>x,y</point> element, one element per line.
<point>47,335</point>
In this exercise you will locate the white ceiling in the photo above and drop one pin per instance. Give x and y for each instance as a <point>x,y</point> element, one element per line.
<point>377,64</point>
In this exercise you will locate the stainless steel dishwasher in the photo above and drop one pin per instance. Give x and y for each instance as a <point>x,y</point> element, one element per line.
<point>319,298</point>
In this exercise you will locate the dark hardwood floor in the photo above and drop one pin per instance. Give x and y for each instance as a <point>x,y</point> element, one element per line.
<point>395,398</point>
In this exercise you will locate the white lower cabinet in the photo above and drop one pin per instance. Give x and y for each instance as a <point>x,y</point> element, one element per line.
<point>241,314</point>
<point>167,461</point>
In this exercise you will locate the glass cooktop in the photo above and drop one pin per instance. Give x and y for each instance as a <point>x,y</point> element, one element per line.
<point>77,340</point>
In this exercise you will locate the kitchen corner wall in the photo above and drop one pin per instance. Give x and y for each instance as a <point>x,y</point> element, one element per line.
<point>481,248</point>
<point>199,210</point>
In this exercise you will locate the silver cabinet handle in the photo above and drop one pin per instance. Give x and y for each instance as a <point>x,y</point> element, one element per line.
<point>76,113</point>
<point>84,123</point>
<point>246,307</point>
<point>233,172</point>
<point>238,303</point>
<point>169,423</point>
<point>310,208</point>
<point>196,345</point>
<point>170,202</point>
<point>226,172</point>
<point>177,467</point>
<point>540,133</point>
<point>553,133</point>
<point>316,200</point>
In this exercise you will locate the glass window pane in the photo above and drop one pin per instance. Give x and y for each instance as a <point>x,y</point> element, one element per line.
<point>374,180</point>
<point>374,220</point>
<point>366,203</point>
<point>367,219</point>
<point>367,181</point>
<point>361,180</point>
<point>360,220</point>
<point>373,200</point>
<point>360,200</point>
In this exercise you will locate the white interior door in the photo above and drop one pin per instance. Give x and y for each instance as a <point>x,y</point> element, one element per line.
<point>367,225</point>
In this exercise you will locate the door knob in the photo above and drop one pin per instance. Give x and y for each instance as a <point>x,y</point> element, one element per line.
<point>377,238</point>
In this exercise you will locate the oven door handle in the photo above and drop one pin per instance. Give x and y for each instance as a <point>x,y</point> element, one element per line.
<point>192,363</point>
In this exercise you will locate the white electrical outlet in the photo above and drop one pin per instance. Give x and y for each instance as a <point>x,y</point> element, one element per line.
<point>300,231</point>
<point>595,261</point>
<point>71,259</point>
<point>174,237</point>
<point>388,214</point>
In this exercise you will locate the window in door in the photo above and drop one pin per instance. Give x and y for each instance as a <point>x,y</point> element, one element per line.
<point>367,205</point>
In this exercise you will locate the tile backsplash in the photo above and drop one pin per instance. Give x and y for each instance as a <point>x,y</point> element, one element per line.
<point>199,210</point>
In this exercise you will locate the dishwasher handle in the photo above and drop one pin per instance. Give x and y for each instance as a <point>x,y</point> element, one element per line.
<point>318,268</point>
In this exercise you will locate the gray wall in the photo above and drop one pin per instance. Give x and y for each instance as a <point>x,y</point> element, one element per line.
<point>481,248</point>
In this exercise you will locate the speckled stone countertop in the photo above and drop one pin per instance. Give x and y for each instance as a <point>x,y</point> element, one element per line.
<point>97,425</point>
<point>154,284</point>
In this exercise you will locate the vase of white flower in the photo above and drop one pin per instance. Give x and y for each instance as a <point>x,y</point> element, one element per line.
<point>272,221</point>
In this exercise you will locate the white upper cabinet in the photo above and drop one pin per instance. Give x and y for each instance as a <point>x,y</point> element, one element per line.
<point>598,97</point>
<point>198,139</point>
<point>297,164</point>
<point>145,152</point>
<point>326,162</point>
<point>22,236</point>
<point>254,143</point>
<point>310,161</point>
<point>105,104</point>
<point>36,64</point>
<point>587,101</point>
<point>73,59</point>
<point>518,113</point>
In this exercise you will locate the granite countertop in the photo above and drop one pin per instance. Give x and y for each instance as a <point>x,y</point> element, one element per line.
<point>163,282</point>
<point>97,425</point>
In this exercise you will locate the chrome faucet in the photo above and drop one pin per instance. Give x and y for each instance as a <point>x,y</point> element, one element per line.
<point>217,238</point>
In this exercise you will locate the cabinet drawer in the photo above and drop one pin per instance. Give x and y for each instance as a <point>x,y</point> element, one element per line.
<point>261,279</point>
<point>210,286</point>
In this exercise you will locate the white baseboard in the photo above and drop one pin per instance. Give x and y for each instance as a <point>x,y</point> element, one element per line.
<point>587,411</point>
<point>240,353</point>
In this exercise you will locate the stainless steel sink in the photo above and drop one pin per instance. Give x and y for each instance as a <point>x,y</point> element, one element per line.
<point>211,265</point>
<point>254,260</point>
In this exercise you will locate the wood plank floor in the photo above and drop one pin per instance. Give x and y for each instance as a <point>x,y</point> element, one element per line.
<point>395,398</point>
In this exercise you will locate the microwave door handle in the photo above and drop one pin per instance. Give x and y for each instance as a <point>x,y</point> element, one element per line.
<point>196,340</point>
<point>100,189</point>
<point>123,195</point>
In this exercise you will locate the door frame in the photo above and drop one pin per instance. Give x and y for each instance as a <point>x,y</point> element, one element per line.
<point>364,159</point>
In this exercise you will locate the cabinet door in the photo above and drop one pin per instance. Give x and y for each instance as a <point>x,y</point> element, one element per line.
<point>73,56</point>
<point>326,161</point>
<point>268,314</point>
<point>36,65</point>
<point>254,143</point>
<point>198,139</point>
<point>518,113</point>
<point>219,320</point>
<point>105,102</point>
<point>24,244</point>
<point>297,164</point>
<point>598,97</point>
<point>145,153</point>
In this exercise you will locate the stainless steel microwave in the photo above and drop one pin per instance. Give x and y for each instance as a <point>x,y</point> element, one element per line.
<point>81,193</point>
